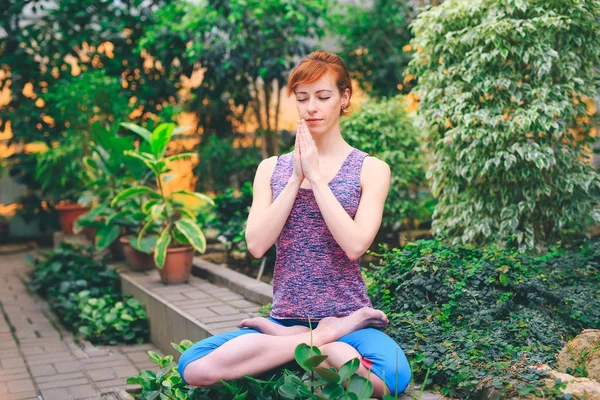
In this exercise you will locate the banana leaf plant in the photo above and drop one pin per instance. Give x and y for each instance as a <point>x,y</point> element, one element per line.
<point>109,172</point>
<point>174,214</point>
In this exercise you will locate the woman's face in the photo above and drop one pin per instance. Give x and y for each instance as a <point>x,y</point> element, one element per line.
<point>319,104</point>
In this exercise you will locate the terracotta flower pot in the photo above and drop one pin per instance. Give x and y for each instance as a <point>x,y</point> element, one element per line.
<point>137,260</point>
<point>68,214</point>
<point>116,249</point>
<point>178,265</point>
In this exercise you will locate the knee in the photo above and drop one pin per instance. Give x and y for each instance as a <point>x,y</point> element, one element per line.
<point>199,373</point>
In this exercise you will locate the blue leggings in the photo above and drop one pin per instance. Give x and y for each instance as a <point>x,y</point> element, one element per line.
<point>377,350</point>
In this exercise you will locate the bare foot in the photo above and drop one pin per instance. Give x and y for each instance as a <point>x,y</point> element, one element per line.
<point>263,325</point>
<point>331,329</point>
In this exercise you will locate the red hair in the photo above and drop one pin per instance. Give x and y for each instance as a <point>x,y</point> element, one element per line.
<point>317,64</point>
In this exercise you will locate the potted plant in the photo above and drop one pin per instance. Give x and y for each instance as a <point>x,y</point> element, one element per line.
<point>109,171</point>
<point>175,214</point>
<point>60,173</point>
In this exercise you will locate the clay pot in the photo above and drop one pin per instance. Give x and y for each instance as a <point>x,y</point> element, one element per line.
<point>178,265</point>
<point>68,214</point>
<point>137,260</point>
<point>116,250</point>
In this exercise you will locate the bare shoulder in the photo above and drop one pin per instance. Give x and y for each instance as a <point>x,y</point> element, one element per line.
<point>266,166</point>
<point>375,172</point>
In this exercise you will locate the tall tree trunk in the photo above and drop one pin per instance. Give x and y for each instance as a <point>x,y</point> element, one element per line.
<point>260,131</point>
<point>277,110</point>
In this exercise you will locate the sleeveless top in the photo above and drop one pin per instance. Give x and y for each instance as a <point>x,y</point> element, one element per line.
<point>313,276</point>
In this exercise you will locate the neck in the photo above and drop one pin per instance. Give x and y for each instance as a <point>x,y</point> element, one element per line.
<point>331,143</point>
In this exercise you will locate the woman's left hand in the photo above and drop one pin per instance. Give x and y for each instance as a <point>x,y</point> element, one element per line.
<point>309,155</point>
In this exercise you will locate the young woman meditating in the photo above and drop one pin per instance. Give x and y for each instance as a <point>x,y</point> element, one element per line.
<point>322,206</point>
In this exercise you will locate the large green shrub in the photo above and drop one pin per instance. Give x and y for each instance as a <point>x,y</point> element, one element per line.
<point>484,317</point>
<point>385,130</point>
<point>502,87</point>
<point>85,295</point>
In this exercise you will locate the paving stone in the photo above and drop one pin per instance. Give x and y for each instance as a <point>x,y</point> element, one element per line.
<point>224,310</point>
<point>195,294</point>
<point>29,395</point>
<point>61,377</point>
<point>138,356</point>
<point>43,370</point>
<point>55,394</point>
<point>102,374</point>
<point>12,362</point>
<point>9,377</point>
<point>3,388</point>
<point>106,364</point>
<point>221,318</point>
<point>20,385</point>
<point>174,297</point>
<point>241,303</point>
<point>82,391</point>
<point>68,366</point>
<point>125,371</point>
<point>63,384</point>
<point>137,347</point>
<point>201,312</point>
<point>113,384</point>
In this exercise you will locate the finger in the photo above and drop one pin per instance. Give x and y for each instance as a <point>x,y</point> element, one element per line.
<point>303,139</point>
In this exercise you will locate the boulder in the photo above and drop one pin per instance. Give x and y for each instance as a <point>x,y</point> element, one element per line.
<point>582,387</point>
<point>583,351</point>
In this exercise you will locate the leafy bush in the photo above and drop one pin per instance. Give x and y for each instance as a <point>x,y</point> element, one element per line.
<point>503,88</point>
<point>385,130</point>
<point>69,265</point>
<point>484,317</point>
<point>220,162</point>
<point>85,295</point>
<point>231,214</point>
<point>105,320</point>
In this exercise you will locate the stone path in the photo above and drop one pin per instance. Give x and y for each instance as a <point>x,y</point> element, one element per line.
<point>40,360</point>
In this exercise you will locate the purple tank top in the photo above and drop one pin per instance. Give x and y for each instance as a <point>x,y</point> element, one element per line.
<point>313,276</point>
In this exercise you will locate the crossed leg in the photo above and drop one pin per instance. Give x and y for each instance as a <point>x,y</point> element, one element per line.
<point>338,352</point>
<point>254,354</point>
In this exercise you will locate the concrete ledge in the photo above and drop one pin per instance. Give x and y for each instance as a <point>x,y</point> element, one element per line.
<point>253,290</point>
<point>167,323</point>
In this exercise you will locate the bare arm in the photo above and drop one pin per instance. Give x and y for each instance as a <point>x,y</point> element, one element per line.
<point>267,217</point>
<point>356,235</point>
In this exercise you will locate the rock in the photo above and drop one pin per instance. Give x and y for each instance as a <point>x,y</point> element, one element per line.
<point>583,387</point>
<point>583,351</point>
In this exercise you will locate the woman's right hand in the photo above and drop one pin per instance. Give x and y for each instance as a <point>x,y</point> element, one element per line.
<point>298,174</point>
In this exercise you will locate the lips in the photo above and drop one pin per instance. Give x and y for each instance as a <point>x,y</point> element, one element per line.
<point>313,120</point>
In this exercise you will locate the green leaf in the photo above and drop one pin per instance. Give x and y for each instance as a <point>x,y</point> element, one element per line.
<point>143,132</point>
<point>160,138</point>
<point>190,229</point>
<point>310,363</point>
<point>162,244</point>
<point>361,386</point>
<point>348,369</point>
<point>327,374</point>
<point>288,391</point>
<point>134,191</point>
<point>332,391</point>
<point>504,279</point>
<point>145,244</point>
<point>106,235</point>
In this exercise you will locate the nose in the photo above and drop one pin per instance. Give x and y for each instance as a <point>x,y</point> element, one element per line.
<point>312,105</point>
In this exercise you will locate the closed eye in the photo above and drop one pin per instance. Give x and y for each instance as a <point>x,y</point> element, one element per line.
<point>320,98</point>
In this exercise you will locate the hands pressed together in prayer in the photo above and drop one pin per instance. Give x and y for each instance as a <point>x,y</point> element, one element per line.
<point>306,155</point>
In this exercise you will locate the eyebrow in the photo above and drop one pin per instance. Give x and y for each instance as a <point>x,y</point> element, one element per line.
<point>318,91</point>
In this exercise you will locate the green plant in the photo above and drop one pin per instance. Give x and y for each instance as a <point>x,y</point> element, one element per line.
<point>173,215</point>
<point>481,318</point>
<point>110,171</point>
<point>372,36</point>
<point>71,263</point>
<point>106,320</point>
<point>84,293</point>
<point>231,214</point>
<point>59,171</point>
<point>220,162</point>
<point>385,130</point>
<point>504,89</point>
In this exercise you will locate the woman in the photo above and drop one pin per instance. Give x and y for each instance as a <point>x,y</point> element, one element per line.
<point>322,206</point>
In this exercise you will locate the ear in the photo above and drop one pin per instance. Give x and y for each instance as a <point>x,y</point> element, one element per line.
<point>346,96</point>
